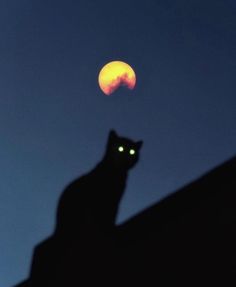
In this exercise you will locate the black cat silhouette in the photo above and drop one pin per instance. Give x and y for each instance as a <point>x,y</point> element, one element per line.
<point>90,203</point>
<point>85,221</point>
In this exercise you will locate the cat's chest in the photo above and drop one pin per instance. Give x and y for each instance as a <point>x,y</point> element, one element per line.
<point>110,178</point>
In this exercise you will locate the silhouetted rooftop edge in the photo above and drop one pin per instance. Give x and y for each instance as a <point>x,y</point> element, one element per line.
<point>201,199</point>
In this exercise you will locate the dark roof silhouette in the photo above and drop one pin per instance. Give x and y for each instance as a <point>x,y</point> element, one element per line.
<point>187,239</point>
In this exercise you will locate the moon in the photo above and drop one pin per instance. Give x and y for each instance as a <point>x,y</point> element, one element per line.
<point>116,74</point>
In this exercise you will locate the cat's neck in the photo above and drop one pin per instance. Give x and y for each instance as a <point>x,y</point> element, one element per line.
<point>109,166</point>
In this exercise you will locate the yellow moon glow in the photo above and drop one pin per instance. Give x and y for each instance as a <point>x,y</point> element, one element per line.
<point>116,74</point>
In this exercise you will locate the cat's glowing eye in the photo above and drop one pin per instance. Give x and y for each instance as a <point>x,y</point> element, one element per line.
<point>132,151</point>
<point>121,148</point>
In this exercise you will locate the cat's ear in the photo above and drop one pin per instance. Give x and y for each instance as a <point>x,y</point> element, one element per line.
<point>139,144</point>
<point>112,135</point>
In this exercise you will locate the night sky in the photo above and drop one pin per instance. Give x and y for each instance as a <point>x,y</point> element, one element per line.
<point>54,119</point>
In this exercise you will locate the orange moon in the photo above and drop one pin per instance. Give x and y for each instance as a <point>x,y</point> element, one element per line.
<point>116,74</point>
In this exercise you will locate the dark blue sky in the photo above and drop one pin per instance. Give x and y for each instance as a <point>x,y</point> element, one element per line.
<point>54,120</point>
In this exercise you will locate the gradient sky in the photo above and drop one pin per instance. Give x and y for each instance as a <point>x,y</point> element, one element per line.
<point>54,120</point>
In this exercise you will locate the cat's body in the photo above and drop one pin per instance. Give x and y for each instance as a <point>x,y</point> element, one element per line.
<point>84,237</point>
<point>90,203</point>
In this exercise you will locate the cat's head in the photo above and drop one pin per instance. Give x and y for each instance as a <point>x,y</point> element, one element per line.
<point>122,152</point>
